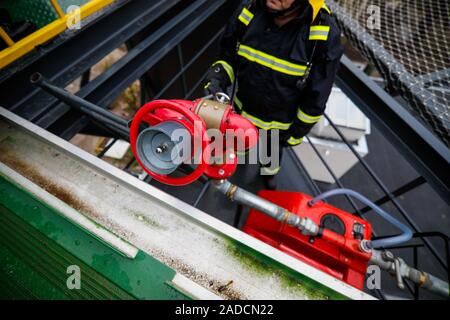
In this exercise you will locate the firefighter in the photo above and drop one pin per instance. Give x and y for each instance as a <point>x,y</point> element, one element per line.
<point>281,58</point>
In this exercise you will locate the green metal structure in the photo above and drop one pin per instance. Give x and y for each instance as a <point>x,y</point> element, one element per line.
<point>39,12</point>
<point>38,245</point>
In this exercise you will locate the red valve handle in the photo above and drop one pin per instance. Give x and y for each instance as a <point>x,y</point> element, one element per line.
<point>193,118</point>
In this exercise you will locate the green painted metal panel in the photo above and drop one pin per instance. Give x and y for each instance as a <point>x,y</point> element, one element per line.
<point>37,245</point>
<point>38,264</point>
<point>40,12</point>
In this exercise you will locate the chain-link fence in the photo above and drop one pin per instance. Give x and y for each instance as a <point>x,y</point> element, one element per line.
<point>408,42</point>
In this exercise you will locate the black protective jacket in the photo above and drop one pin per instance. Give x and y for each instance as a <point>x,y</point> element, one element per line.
<point>271,66</point>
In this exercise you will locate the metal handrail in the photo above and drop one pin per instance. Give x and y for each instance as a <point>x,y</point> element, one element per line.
<point>27,44</point>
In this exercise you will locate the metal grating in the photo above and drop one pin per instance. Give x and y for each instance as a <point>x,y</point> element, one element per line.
<point>409,44</point>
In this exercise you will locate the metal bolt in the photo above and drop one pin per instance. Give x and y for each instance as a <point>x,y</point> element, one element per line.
<point>388,256</point>
<point>221,172</point>
<point>162,148</point>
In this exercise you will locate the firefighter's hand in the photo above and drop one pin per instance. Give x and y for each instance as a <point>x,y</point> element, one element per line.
<point>212,87</point>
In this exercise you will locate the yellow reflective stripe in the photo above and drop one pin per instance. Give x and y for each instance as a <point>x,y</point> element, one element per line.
<point>325,7</point>
<point>242,19</point>
<point>246,16</point>
<point>271,62</point>
<point>320,28</point>
<point>207,85</point>
<point>292,141</point>
<point>318,37</point>
<point>319,33</point>
<point>270,172</point>
<point>303,117</point>
<point>238,102</point>
<point>247,12</point>
<point>228,68</point>
<point>266,125</point>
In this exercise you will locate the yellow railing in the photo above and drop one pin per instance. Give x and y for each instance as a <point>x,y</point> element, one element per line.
<point>25,45</point>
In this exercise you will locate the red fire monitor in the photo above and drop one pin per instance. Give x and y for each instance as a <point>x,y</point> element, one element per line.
<point>336,249</point>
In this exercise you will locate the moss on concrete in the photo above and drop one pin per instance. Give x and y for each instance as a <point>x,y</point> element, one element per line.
<point>264,266</point>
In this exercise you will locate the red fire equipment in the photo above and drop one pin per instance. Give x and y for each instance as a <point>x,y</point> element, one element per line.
<point>335,250</point>
<point>153,147</point>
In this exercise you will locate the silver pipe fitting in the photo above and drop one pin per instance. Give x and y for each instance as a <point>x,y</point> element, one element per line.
<point>234,193</point>
<point>384,259</point>
<point>398,267</point>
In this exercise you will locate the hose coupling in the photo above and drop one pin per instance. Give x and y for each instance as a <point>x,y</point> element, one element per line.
<point>308,227</point>
<point>365,246</point>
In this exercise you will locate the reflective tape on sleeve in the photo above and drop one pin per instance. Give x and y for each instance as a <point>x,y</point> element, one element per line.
<point>319,33</point>
<point>271,62</point>
<point>246,16</point>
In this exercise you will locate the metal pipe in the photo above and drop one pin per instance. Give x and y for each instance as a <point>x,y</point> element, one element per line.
<point>104,117</point>
<point>75,101</point>
<point>234,193</point>
<point>397,266</point>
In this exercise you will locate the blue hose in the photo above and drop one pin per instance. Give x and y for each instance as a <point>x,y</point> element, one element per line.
<point>382,243</point>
